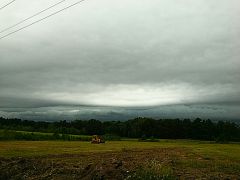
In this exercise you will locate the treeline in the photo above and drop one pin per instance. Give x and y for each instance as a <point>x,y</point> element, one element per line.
<point>136,128</point>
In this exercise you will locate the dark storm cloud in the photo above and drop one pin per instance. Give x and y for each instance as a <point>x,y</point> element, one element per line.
<point>122,53</point>
<point>214,112</point>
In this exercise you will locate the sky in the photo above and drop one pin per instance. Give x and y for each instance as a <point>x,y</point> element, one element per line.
<point>118,59</point>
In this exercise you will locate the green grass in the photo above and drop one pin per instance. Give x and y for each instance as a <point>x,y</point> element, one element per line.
<point>41,133</point>
<point>7,135</point>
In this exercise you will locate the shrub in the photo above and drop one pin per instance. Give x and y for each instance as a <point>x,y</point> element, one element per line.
<point>111,137</point>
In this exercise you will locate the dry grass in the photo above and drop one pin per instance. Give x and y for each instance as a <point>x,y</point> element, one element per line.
<point>167,158</point>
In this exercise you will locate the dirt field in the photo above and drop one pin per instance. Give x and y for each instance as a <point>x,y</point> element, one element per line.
<point>146,161</point>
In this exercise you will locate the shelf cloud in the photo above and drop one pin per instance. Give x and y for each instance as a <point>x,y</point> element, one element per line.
<point>112,56</point>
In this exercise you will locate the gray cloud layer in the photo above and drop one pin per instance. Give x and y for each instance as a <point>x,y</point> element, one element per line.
<point>123,53</point>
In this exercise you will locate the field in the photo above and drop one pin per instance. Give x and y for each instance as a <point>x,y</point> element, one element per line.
<point>127,159</point>
<point>39,136</point>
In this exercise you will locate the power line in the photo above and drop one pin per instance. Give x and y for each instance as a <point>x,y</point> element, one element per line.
<point>7,4</point>
<point>46,17</point>
<point>24,20</point>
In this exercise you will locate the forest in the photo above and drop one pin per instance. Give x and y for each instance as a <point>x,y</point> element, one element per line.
<point>140,127</point>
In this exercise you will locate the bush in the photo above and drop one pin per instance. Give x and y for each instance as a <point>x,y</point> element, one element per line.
<point>222,139</point>
<point>111,137</point>
<point>152,139</point>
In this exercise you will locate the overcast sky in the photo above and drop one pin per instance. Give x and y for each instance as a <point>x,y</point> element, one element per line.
<point>113,58</point>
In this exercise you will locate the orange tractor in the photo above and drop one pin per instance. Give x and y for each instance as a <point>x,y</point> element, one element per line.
<point>97,139</point>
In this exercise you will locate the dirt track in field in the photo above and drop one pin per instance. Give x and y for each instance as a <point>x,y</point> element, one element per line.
<point>111,165</point>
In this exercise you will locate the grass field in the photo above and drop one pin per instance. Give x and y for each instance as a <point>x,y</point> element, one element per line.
<point>39,148</point>
<point>196,159</point>
<point>10,135</point>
